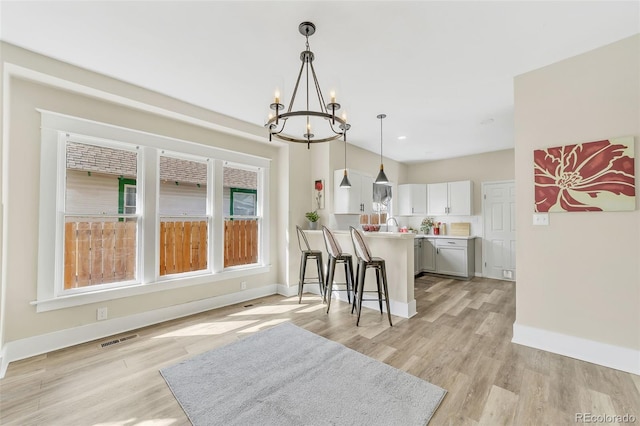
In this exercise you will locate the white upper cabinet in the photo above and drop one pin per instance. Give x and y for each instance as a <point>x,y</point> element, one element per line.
<point>437,199</point>
<point>355,200</point>
<point>412,199</point>
<point>450,198</point>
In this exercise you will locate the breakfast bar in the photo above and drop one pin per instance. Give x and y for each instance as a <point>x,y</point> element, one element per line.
<point>397,250</point>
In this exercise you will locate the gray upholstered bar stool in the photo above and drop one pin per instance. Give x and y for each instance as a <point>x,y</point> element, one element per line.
<point>336,255</point>
<point>307,254</point>
<point>365,261</point>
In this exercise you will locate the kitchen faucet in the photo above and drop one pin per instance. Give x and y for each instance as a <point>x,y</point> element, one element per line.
<point>393,219</point>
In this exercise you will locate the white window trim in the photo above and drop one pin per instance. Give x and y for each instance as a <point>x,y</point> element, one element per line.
<point>61,212</point>
<point>151,145</point>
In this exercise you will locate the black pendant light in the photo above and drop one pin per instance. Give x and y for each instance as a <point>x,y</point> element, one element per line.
<point>345,180</point>
<point>382,178</point>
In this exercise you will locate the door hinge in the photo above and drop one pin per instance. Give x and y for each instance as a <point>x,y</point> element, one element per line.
<point>485,196</point>
<point>485,264</point>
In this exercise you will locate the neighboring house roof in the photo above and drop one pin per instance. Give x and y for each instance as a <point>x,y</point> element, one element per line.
<point>101,159</point>
<point>123,163</point>
<point>238,178</point>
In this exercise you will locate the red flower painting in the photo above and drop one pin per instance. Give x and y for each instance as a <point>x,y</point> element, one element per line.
<point>593,176</point>
<point>319,187</point>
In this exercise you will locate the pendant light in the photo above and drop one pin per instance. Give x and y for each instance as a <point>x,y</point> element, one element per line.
<point>382,178</point>
<point>345,180</point>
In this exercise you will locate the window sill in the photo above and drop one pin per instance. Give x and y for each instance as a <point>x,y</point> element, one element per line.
<point>147,288</point>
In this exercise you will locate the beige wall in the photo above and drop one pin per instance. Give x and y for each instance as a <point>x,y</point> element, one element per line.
<point>21,189</point>
<point>490,166</point>
<point>579,276</point>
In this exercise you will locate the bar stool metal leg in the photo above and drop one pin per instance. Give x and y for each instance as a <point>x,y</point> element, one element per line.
<point>302,280</point>
<point>322,284</point>
<point>331,268</point>
<point>386,290</point>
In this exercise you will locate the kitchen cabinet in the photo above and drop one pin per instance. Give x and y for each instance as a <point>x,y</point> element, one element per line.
<point>428,255</point>
<point>412,199</point>
<point>417,256</point>
<point>450,198</point>
<point>455,257</point>
<point>355,200</point>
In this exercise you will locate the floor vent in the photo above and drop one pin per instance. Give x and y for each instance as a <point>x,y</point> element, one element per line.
<point>116,341</point>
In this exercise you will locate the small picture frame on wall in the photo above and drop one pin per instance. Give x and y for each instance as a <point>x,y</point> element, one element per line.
<point>318,194</point>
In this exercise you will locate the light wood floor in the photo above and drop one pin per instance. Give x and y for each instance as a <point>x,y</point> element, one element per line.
<point>460,340</point>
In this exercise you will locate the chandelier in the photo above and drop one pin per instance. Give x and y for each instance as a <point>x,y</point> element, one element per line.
<point>337,126</point>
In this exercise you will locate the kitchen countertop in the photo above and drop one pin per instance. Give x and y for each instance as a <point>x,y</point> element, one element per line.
<point>384,234</point>
<point>456,237</point>
<point>380,234</point>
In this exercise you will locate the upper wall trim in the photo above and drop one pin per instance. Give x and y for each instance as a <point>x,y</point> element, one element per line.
<point>14,70</point>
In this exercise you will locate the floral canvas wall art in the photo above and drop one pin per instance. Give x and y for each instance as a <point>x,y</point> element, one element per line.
<point>592,176</point>
<point>318,189</point>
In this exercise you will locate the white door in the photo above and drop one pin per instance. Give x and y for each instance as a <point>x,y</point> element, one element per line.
<point>499,242</point>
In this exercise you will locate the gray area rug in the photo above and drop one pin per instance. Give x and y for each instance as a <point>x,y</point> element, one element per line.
<point>289,376</point>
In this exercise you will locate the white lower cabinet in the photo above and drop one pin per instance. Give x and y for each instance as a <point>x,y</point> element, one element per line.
<point>446,256</point>
<point>428,255</point>
<point>417,250</point>
<point>455,257</point>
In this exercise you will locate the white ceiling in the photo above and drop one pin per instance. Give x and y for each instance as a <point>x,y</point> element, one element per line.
<point>441,71</point>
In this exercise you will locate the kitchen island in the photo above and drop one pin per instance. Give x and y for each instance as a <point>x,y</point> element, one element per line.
<point>397,251</point>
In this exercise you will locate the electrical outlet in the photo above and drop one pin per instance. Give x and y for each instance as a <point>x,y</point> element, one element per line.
<point>101,314</point>
<point>541,219</point>
<point>243,285</point>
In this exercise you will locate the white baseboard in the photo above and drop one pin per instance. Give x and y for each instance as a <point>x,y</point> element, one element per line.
<point>400,309</point>
<point>404,310</point>
<point>36,345</point>
<point>624,359</point>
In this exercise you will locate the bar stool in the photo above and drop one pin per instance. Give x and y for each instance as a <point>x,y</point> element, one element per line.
<point>365,261</point>
<point>336,255</point>
<point>306,254</point>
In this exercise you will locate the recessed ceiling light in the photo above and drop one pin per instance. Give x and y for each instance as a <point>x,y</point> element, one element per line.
<point>401,138</point>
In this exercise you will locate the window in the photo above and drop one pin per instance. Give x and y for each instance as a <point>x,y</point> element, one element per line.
<point>184,221</point>
<point>243,202</point>
<point>124,213</point>
<point>242,219</point>
<point>100,236</point>
<point>126,195</point>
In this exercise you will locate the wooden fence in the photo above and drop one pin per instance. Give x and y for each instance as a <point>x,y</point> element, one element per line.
<point>105,252</point>
<point>98,253</point>
<point>183,247</point>
<point>240,242</point>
